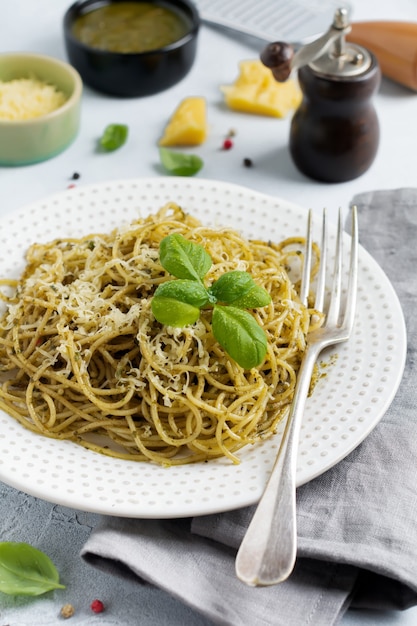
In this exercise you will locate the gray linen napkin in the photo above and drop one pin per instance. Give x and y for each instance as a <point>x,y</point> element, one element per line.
<point>357,523</point>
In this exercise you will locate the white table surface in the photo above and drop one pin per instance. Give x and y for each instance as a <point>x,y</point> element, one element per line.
<point>29,25</point>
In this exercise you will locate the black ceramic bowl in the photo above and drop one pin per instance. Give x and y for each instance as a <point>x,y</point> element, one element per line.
<point>132,74</point>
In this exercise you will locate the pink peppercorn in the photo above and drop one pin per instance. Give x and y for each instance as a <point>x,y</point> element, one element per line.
<point>227,144</point>
<point>97,606</point>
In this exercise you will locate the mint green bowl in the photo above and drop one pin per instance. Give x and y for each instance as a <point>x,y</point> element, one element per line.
<point>23,142</point>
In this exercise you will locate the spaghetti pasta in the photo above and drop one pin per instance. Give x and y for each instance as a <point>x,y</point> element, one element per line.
<point>82,357</point>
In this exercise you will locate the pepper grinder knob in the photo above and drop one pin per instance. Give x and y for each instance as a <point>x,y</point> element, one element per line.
<point>334,133</point>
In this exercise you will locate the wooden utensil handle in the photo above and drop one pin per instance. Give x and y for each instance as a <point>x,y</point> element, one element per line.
<point>394,45</point>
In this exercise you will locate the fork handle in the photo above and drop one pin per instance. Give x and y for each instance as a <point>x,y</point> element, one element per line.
<point>268,551</point>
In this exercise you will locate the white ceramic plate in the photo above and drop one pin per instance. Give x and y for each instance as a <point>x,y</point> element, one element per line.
<point>345,407</point>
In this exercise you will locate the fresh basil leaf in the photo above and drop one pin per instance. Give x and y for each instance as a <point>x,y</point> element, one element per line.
<point>183,258</point>
<point>254,298</point>
<point>172,312</point>
<point>239,289</point>
<point>26,571</point>
<point>188,291</point>
<point>179,163</point>
<point>113,137</point>
<point>231,286</point>
<point>240,335</point>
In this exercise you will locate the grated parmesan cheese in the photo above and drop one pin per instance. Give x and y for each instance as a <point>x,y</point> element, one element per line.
<point>27,98</point>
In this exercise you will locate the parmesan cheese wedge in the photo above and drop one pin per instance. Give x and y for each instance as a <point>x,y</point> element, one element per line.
<point>256,91</point>
<point>188,124</point>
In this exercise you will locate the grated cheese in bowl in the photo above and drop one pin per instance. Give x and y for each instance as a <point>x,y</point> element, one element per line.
<point>28,98</point>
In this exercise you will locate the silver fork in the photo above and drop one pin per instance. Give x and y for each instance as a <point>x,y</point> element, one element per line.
<point>268,551</point>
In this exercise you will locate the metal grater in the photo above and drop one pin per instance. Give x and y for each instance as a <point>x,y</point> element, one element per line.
<point>272,20</point>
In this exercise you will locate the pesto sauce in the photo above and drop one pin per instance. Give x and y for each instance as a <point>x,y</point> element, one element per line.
<point>130,27</point>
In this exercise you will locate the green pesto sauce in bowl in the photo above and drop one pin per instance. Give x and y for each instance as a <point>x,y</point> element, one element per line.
<point>130,27</point>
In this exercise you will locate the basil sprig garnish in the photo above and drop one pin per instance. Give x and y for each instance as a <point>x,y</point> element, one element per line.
<point>179,302</point>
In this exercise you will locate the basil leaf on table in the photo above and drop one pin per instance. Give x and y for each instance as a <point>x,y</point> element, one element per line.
<point>183,258</point>
<point>179,163</point>
<point>26,571</point>
<point>240,335</point>
<point>113,137</point>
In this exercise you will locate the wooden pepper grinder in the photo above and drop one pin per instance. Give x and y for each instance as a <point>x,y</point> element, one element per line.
<point>334,133</point>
